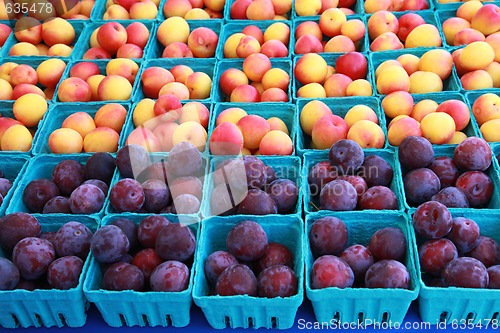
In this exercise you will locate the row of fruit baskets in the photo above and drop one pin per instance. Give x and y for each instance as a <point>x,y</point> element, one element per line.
<point>245,156</point>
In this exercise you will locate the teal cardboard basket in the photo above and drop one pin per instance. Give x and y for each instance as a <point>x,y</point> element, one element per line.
<point>451,84</point>
<point>471,129</point>
<point>362,46</point>
<point>197,65</point>
<point>339,106</point>
<point>38,167</point>
<point>102,67</point>
<point>129,124</point>
<point>311,196</point>
<point>463,306</point>
<point>429,18</point>
<point>363,305</point>
<point>223,65</point>
<point>492,172</point>
<point>34,62</point>
<point>155,49</point>
<point>47,307</point>
<point>284,111</point>
<point>78,25</point>
<point>237,26</point>
<point>243,310</point>
<point>6,111</point>
<point>13,167</point>
<point>160,158</point>
<point>58,113</point>
<point>148,308</point>
<point>288,167</point>
<point>331,60</point>
<point>91,27</point>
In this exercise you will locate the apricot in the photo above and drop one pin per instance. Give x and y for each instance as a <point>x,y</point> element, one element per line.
<point>30,109</point>
<point>65,141</point>
<point>111,115</point>
<point>16,138</point>
<point>360,112</point>
<point>276,143</point>
<point>81,122</point>
<point>101,139</point>
<point>367,134</point>
<point>438,127</point>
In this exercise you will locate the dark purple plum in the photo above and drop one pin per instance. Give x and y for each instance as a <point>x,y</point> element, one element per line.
<point>175,242</point>
<point>123,276</point>
<point>451,197</point>
<point>338,195</point>
<point>328,235</point>
<point>157,170</point>
<point>387,274</point>
<point>388,243</point>
<point>270,175</point>
<point>68,175</point>
<point>147,260</point>
<point>156,195</point>
<point>277,281</point>
<point>346,156</point>
<point>432,220</point>
<point>149,228</point>
<point>216,263</point>
<point>473,154</point>
<point>321,174</point>
<point>420,185</point>
<point>5,186</point>
<point>446,170</point>
<point>477,187</point>
<point>131,160</point>
<point>247,241</point>
<point>285,194</point>
<point>376,171</point>
<point>378,197</point>
<point>331,271</point>
<point>186,185</point>
<point>9,274</point>
<point>415,152</point>
<point>86,199</point>
<point>236,280</point>
<point>248,172</point>
<point>33,256</point>
<point>222,201</point>
<point>99,183</point>
<point>465,272</point>
<point>464,234</point>
<point>129,228</point>
<point>109,244</point>
<point>186,204</point>
<point>73,239</point>
<point>127,195</point>
<point>38,192</point>
<point>57,204</point>
<point>436,254</point>
<point>219,176</point>
<point>276,254</point>
<point>170,276</point>
<point>185,160</point>
<point>357,182</point>
<point>100,166</point>
<point>16,226</point>
<point>359,258</point>
<point>257,202</point>
<point>494,277</point>
<point>64,273</point>
<point>486,251</point>
<point>50,236</point>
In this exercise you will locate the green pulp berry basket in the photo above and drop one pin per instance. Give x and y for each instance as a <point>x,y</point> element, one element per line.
<point>47,307</point>
<point>470,130</point>
<point>148,308</point>
<point>288,167</point>
<point>339,107</point>
<point>363,305</point>
<point>463,306</point>
<point>311,195</point>
<point>13,167</point>
<point>284,111</point>
<point>58,113</point>
<point>492,172</point>
<point>243,310</point>
<point>38,167</point>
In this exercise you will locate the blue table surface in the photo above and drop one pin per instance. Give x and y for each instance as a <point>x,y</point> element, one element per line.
<point>412,323</point>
